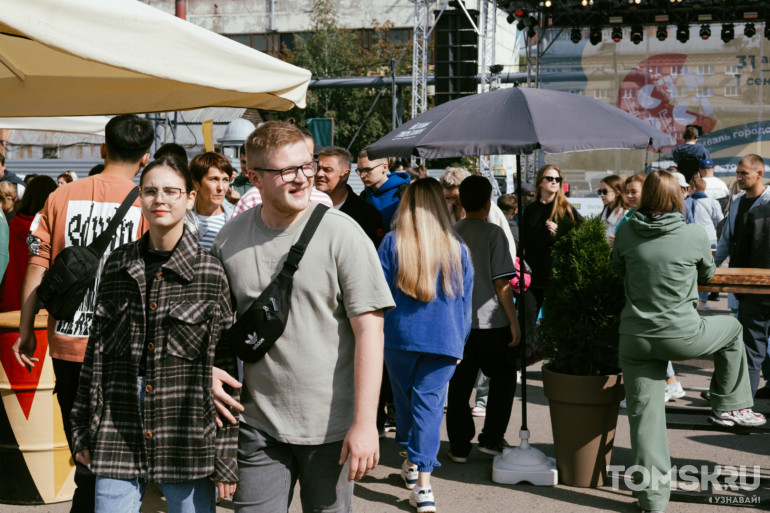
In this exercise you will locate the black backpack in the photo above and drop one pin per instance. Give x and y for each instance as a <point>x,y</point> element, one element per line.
<point>688,166</point>
<point>74,269</point>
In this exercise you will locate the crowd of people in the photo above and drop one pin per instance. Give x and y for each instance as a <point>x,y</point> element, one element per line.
<point>402,303</point>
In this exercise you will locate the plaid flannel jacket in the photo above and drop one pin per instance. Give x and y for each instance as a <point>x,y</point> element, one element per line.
<point>189,307</point>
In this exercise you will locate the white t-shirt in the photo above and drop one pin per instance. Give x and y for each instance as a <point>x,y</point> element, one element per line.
<point>715,188</point>
<point>302,391</point>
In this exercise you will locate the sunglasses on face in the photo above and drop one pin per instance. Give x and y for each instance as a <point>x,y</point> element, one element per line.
<point>556,179</point>
<point>603,192</point>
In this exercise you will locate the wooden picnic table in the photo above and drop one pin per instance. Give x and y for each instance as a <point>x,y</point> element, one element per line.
<point>738,280</point>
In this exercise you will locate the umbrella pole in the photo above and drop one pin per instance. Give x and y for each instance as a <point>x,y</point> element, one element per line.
<point>523,463</point>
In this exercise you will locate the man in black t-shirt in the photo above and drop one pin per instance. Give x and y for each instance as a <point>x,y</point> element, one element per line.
<point>332,178</point>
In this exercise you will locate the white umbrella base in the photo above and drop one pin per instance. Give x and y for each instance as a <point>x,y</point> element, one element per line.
<point>524,464</point>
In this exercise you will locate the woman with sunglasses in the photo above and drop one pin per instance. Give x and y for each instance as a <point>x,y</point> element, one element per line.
<point>145,410</point>
<point>539,223</point>
<point>612,195</point>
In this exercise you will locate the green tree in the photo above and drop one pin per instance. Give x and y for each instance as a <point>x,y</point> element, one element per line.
<point>329,51</point>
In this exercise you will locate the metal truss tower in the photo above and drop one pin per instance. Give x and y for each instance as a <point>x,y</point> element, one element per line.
<point>420,41</point>
<point>488,10</point>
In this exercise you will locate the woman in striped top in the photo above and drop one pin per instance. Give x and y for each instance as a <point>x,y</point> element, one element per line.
<point>211,177</point>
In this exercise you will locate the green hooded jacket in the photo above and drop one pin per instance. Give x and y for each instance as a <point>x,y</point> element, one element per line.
<point>662,260</point>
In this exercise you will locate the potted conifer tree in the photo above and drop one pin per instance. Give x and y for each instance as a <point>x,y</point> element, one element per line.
<point>579,330</point>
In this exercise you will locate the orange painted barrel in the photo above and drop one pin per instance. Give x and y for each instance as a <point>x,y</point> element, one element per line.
<point>37,467</point>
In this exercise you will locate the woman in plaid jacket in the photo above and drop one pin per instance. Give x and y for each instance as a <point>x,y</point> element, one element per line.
<point>144,410</point>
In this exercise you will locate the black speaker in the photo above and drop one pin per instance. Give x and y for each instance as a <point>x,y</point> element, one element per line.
<point>456,55</point>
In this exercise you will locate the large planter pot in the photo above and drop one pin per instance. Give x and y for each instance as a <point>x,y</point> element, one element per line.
<point>584,413</point>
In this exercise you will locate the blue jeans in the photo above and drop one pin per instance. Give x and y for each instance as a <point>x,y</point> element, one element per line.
<point>419,381</point>
<point>125,496</point>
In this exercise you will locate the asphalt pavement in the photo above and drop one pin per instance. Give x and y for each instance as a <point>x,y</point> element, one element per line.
<point>468,487</point>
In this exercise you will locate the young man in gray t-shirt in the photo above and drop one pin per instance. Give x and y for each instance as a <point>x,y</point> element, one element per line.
<point>309,405</point>
<point>494,329</point>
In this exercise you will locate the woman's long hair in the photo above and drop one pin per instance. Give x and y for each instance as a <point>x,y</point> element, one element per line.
<point>561,207</point>
<point>616,184</point>
<point>426,244</point>
<point>661,193</point>
<point>36,194</point>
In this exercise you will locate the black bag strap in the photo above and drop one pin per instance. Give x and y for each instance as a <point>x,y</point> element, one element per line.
<point>103,240</point>
<point>297,251</point>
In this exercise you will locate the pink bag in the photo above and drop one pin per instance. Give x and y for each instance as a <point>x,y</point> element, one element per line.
<point>515,280</point>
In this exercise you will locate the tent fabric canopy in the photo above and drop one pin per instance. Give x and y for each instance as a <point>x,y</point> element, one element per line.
<point>91,57</point>
<point>93,125</point>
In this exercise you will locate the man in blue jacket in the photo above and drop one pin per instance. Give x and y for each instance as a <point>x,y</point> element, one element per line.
<point>687,156</point>
<point>382,190</point>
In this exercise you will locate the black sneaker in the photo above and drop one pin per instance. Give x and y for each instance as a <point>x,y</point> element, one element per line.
<point>495,449</point>
<point>763,393</point>
<point>457,458</point>
<point>706,395</point>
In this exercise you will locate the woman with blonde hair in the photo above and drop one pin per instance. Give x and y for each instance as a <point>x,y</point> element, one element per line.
<point>8,197</point>
<point>430,275</point>
<point>539,223</point>
<point>612,195</point>
<point>662,259</point>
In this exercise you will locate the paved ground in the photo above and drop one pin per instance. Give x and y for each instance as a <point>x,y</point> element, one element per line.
<point>469,487</point>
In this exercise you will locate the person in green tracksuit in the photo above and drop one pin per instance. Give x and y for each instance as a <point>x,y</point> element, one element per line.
<point>662,260</point>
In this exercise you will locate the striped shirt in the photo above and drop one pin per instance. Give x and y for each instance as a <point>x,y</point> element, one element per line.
<point>208,227</point>
<point>252,198</point>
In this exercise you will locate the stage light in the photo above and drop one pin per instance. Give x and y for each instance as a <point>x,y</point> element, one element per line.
<point>596,35</point>
<point>637,34</point>
<point>548,3</point>
<point>576,35</point>
<point>617,34</point>
<point>749,30</point>
<point>661,33</point>
<point>682,32</point>
<point>531,32</point>
<point>510,19</point>
<point>705,31</point>
<point>728,32</point>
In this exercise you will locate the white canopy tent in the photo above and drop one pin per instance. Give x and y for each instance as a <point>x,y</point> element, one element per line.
<point>89,57</point>
<point>93,125</point>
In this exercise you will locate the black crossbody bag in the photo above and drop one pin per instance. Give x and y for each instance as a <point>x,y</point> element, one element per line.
<point>260,326</point>
<point>74,269</point>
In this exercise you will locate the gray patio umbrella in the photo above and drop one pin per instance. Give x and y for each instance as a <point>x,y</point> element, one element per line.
<point>515,121</point>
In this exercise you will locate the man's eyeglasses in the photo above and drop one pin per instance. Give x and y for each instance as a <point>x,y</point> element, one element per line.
<point>603,192</point>
<point>556,179</point>
<point>289,174</point>
<point>362,170</point>
<point>171,194</point>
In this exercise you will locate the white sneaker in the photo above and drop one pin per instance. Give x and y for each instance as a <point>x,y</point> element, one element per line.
<point>423,500</point>
<point>674,391</point>
<point>409,474</point>
<point>744,418</point>
<point>623,404</point>
<point>478,411</point>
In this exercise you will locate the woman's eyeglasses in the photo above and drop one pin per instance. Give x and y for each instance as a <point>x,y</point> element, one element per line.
<point>556,179</point>
<point>171,194</point>
<point>603,192</point>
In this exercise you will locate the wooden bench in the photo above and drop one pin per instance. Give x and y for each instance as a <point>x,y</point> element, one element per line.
<point>738,280</point>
